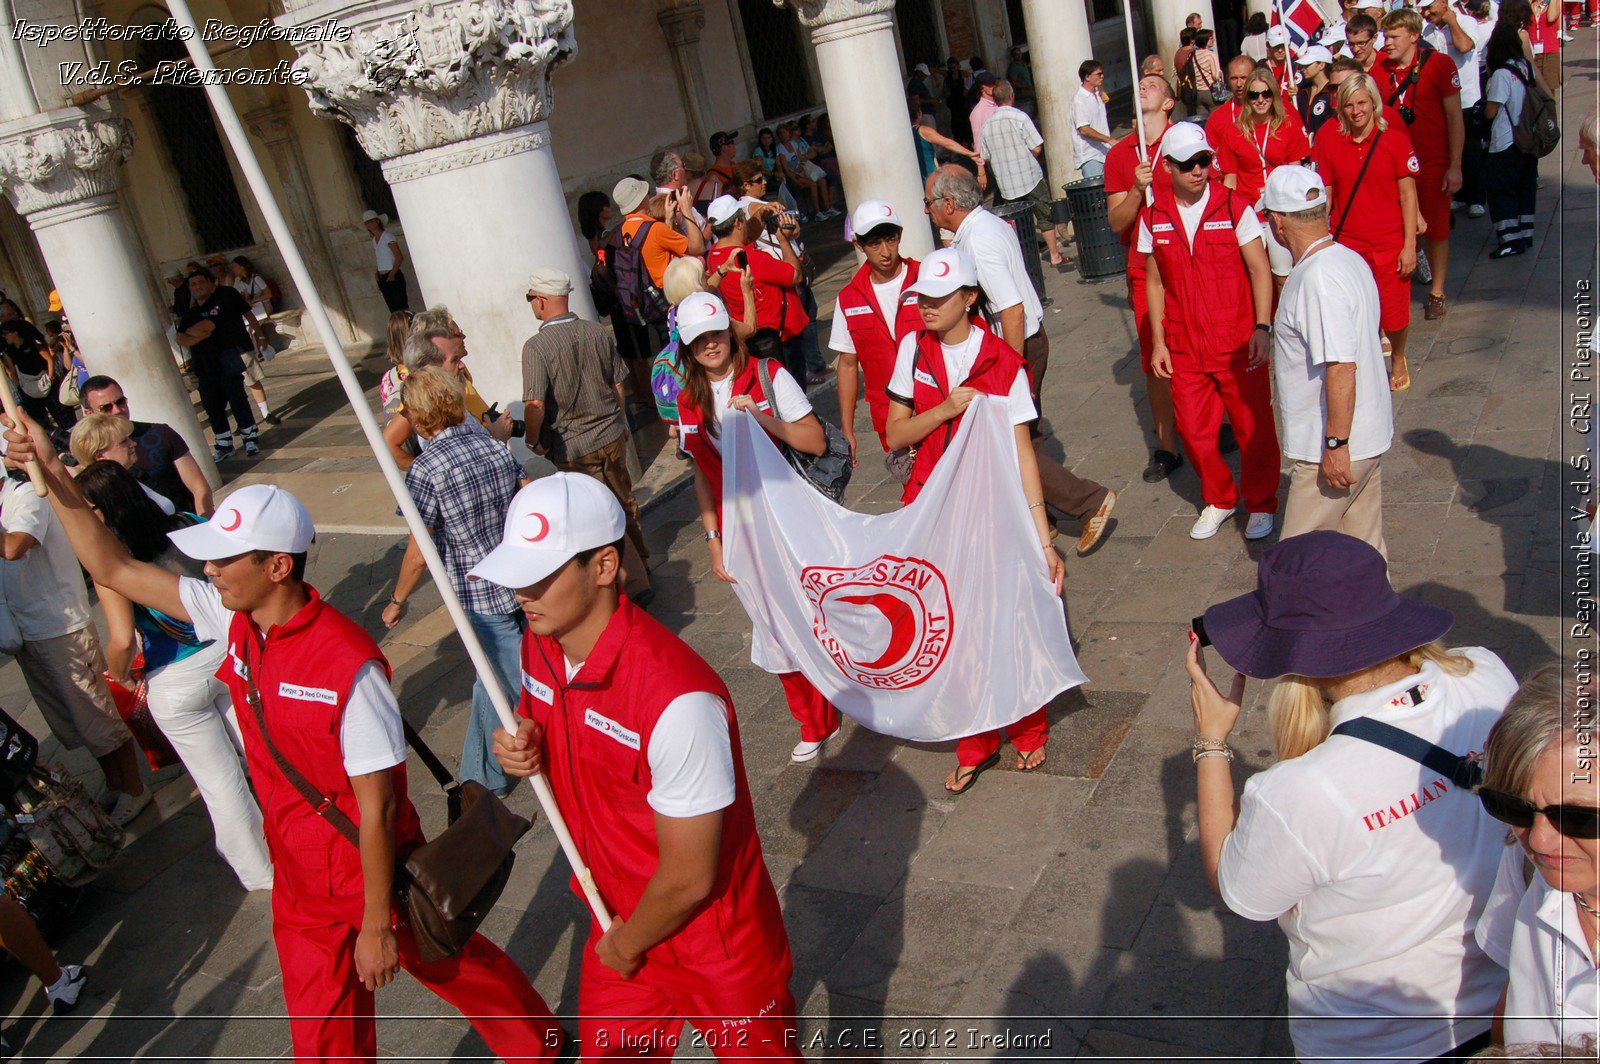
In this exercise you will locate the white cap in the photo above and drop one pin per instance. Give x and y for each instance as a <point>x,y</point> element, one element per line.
<point>872,214</point>
<point>1277,35</point>
<point>1184,140</point>
<point>722,208</point>
<point>257,517</point>
<point>551,520</point>
<point>944,271</point>
<point>1293,188</point>
<point>628,193</point>
<point>698,314</point>
<point>1314,54</point>
<point>549,281</point>
<point>921,68</point>
<point>370,216</point>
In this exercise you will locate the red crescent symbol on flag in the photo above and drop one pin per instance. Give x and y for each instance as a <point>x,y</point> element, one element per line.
<point>902,626</point>
<point>237,521</point>
<point>544,528</point>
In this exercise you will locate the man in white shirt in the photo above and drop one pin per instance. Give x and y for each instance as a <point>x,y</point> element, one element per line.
<point>1012,146</point>
<point>388,258</point>
<point>954,202</point>
<point>1091,130</point>
<point>1331,385</point>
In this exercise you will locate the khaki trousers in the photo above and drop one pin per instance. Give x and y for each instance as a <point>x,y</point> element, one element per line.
<point>1356,511</point>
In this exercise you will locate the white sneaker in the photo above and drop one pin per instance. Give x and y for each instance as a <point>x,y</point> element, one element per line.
<point>1258,527</point>
<point>1476,210</point>
<point>1211,519</point>
<point>64,995</point>
<point>804,751</point>
<point>129,806</point>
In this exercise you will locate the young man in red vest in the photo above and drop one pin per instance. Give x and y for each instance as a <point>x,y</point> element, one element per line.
<point>638,737</point>
<point>876,309</point>
<point>320,686</point>
<point>1210,288</point>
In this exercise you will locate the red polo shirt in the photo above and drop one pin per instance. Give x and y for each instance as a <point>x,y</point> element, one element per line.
<point>1437,81</point>
<point>1374,223</point>
<point>1121,161</point>
<point>777,303</point>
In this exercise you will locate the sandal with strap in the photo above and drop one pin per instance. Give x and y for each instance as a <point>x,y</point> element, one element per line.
<point>964,783</point>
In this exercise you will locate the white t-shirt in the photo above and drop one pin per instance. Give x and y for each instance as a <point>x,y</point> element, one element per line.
<point>44,588</point>
<point>1002,272</point>
<point>1328,312</point>
<point>789,402</point>
<point>1088,109</point>
<point>1377,870</point>
<point>958,363</point>
<point>370,734</point>
<point>1248,229</point>
<point>1532,931</point>
<point>690,755</point>
<point>1466,62</point>
<point>383,246</point>
<point>1507,90</point>
<point>886,295</point>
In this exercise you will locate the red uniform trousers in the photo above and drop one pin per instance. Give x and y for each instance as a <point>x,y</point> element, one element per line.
<point>810,709</point>
<point>1198,401</point>
<point>1027,735</point>
<point>331,1013</point>
<point>643,1017</point>
<point>1394,291</point>
<point>1141,312</point>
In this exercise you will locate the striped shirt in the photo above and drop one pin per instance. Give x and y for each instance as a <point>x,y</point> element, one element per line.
<point>463,483</point>
<point>573,366</point>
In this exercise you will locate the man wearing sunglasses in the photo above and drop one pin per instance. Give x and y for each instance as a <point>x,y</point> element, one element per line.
<point>161,457</point>
<point>1209,287</point>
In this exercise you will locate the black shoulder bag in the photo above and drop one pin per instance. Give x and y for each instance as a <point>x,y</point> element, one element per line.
<point>1350,200</point>
<point>828,472</point>
<point>1465,773</point>
<point>447,886</point>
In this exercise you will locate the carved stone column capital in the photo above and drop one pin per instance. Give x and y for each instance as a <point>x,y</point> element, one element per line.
<point>682,23</point>
<point>832,19</point>
<point>63,159</point>
<point>272,123</point>
<point>416,77</point>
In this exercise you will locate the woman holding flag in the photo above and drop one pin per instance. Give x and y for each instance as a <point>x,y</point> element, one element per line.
<point>719,375</point>
<point>938,372</point>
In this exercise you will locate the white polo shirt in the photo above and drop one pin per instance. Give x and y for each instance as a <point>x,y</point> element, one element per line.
<point>1532,930</point>
<point>1377,870</point>
<point>44,588</point>
<point>1088,109</point>
<point>1328,312</point>
<point>383,246</point>
<point>1002,273</point>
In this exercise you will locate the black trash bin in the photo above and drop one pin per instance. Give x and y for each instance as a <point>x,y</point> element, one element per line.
<point>1019,213</point>
<point>1100,250</point>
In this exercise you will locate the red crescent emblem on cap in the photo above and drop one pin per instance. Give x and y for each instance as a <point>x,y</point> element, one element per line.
<point>941,269</point>
<point>237,521</point>
<point>544,528</point>
<point>711,310</point>
<point>888,211</point>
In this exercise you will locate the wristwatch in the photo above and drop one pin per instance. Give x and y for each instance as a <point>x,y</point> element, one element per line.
<point>713,535</point>
<point>1333,443</point>
<point>1263,327</point>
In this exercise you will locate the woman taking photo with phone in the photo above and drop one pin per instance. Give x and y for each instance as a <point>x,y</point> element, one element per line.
<point>938,372</point>
<point>1376,866</point>
<point>720,375</point>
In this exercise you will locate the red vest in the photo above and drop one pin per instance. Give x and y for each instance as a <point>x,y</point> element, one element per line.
<point>597,730</point>
<point>692,424</point>
<point>1210,313</point>
<point>993,374</point>
<point>877,342</point>
<point>303,672</point>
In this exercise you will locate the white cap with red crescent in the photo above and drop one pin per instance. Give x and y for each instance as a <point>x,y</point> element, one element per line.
<point>872,214</point>
<point>944,271</point>
<point>551,520</point>
<point>701,313</point>
<point>256,517</point>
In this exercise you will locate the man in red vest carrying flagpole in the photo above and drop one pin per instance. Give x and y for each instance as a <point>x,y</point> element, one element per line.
<point>639,740</point>
<point>320,687</point>
<point>876,309</point>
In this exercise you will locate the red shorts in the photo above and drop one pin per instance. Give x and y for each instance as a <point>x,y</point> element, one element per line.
<point>1433,203</point>
<point>1141,314</point>
<point>1394,291</point>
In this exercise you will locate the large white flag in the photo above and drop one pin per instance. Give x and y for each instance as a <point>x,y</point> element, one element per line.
<point>933,622</point>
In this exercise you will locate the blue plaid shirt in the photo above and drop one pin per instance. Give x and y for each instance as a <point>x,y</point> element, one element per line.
<point>463,483</point>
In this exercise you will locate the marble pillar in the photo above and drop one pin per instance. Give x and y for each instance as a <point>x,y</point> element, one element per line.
<point>61,171</point>
<point>1168,17</point>
<point>866,98</point>
<point>452,98</point>
<point>1058,39</point>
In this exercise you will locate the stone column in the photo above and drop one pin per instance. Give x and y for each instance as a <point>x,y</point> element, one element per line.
<point>681,23</point>
<point>855,46</point>
<point>452,98</point>
<point>1168,16</point>
<point>1058,39</point>
<point>60,170</point>
<point>275,129</point>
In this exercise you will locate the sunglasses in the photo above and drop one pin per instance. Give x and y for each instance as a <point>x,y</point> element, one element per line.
<point>114,405</point>
<point>1201,161</point>
<point>1259,94</point>
<point>1573,821</point>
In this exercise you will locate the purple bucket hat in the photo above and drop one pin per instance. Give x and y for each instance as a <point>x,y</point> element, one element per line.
<point>1323,607</point>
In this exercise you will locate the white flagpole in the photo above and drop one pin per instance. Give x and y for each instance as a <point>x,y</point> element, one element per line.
<point>318,313</point>
<point>1138,112</point>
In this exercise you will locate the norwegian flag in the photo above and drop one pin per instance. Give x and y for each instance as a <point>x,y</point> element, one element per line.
<point>1302,21</point>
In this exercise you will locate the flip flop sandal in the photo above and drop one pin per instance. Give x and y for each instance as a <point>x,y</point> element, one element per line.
<point>1026,754</point>
<point>1405,386</point>
<point>973,773</point>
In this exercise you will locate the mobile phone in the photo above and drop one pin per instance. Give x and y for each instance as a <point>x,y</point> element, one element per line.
<point>742,259</point>
<point>1198,627</point>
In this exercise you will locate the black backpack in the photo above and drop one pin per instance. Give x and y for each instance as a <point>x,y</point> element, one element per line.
<point>642,302</point>
<point>1188,91</point>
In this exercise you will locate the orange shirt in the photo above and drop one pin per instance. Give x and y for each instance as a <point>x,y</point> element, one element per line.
<point>661,245</point>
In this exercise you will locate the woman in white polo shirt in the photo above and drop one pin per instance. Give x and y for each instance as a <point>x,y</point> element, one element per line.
<point>1375,862</point>
<point>1545,928</point>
